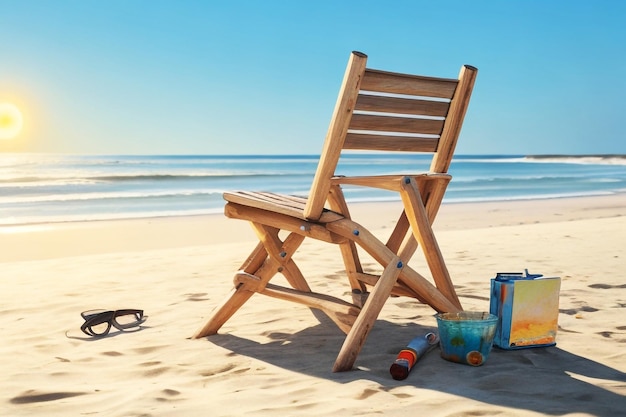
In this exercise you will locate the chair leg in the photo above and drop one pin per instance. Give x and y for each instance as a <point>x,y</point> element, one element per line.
<point>238,296</point>
<point>423,232</point>
<point>365,321</point>
<point>349,253</point>
<point>270,256</point>
<point>221,314</point>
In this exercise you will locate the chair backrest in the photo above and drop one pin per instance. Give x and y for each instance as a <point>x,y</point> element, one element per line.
<point>386,111</point>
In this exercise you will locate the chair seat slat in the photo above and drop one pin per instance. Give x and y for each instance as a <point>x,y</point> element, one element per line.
<point>289,205</point>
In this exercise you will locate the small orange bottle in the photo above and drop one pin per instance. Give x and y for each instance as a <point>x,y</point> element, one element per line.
<point>408,356</point>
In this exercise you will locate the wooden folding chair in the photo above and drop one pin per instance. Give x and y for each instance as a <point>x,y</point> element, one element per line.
<point>376,111</point>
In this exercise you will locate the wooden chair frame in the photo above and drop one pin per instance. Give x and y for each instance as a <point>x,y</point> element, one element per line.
<point>378,111</point>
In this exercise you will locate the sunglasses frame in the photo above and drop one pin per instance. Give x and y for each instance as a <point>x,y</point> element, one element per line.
<point>96,317</point>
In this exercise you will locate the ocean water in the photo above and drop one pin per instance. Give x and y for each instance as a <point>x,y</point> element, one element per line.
<point>61,188</point>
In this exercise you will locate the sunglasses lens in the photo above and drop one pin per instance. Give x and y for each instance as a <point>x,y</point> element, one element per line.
<point>130,319</point>
<point>100,328</point>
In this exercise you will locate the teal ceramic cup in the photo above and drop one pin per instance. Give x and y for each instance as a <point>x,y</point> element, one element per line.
<point>466,337</point>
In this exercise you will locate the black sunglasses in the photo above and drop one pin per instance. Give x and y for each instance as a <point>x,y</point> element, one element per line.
<point>99,322</point>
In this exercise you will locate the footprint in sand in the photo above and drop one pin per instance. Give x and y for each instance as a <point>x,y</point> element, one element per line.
<point>112,353</point>
<point>606,286</point>
<point>198,296</point>
<point>38,397</point>
<point>330,277</point>
<point>156,372</point>
<point>368,392</point>
<point>220,370</point>
<point>574,311</point>
<point>152,363</point>
<point>148,349</point>
<point>169,394</point>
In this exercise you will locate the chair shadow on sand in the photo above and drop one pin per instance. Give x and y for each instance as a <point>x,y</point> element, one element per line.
<point>544,380</point>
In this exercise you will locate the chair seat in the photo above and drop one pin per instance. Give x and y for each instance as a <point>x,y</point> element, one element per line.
<point>289,205</point>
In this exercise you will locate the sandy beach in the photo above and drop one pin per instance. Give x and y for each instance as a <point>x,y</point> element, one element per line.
<point>275,358</point>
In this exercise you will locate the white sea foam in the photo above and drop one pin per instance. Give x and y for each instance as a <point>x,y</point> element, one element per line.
<point>51,188</point>
<point>582,159</point>
<point>490,160</point>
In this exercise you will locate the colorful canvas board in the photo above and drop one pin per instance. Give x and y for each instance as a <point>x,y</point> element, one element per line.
<point>528,311</point>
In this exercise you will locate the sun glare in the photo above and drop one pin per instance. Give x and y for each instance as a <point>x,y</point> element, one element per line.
<point>10,121</point>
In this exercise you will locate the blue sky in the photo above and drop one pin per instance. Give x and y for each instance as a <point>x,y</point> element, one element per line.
<point>259,77</point>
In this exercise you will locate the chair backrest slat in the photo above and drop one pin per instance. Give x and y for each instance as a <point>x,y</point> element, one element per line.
<point>415,85</point>
<point>396,124</point>
<point>387,104</point>
<point>389,143</point>
<point>386,111</point>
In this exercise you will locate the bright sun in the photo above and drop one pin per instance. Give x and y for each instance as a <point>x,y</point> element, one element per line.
<point>10,121</point>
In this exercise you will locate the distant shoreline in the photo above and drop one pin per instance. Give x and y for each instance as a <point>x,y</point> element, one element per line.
<point>103,236</point>
<point>218,212</point>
